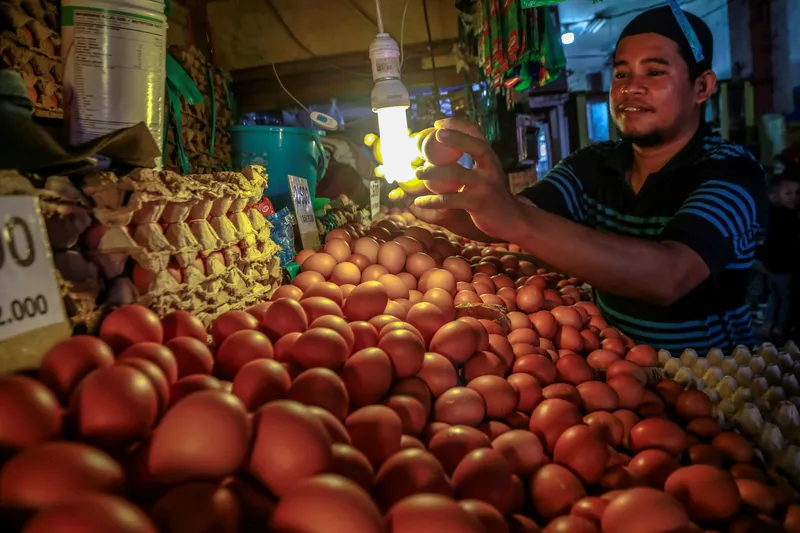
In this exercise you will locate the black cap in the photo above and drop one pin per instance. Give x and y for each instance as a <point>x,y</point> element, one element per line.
<point>662,21</point>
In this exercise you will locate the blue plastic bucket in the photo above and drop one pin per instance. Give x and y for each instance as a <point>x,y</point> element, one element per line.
<point>282,151</point>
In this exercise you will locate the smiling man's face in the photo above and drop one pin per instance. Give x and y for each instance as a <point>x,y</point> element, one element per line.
<point>652,96</point>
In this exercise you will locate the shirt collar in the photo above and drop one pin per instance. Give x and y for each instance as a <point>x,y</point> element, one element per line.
<point>621,156</point>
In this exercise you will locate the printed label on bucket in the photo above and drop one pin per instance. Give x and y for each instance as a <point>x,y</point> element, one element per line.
<point>114,71</point>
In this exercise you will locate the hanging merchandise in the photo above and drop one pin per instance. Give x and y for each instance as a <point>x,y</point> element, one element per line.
<point>530,4</point>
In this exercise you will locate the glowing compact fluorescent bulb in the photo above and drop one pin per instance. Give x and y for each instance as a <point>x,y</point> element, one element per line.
<point>390,101</point>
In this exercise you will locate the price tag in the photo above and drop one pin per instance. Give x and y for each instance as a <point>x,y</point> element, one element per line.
<point>374,198</point>
<point>306,221</point>
<point>32,316</point>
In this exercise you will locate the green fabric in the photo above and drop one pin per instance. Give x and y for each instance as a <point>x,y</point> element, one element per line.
<point>553,59</point>
<point>530,4</point>
<point>293,269</point>
<point>179,85</point>
<point>210,79</point>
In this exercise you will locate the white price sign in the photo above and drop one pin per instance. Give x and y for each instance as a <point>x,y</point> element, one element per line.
<point>29,294</point>
<point>304,211</point>
<point>374,198</point>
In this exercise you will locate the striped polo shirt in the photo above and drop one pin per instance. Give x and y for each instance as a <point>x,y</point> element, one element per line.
<point>711,197</point>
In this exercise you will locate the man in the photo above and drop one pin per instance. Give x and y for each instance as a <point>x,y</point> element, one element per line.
<point>661,224</point>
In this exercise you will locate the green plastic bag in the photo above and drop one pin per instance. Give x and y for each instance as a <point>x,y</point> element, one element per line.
<point>553,59</point>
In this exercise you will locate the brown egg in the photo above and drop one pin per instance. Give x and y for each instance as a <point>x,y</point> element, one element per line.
<point>350,463</point>
<point>282,350</point>
<point>201,505</point>
<point>320,347</point>
<point>584,451</point>
<point>362,262</point>
<point>419,263</point>
<point>523,335</point>
<point>540,367</point>
<point>404,350</point>
<point>451,444</point>
<point>333,425</point>
<point>438,279</point>
<point>302,255</point>
<point>367,301</point>
<point>626,368</point>
<point>261,381</point>
<point>468,297</point>
<point>443,300</point>
<point>318,306</point>
<point>238,350</point>
<point>51,472</point>
<point>114,405</point>
<point>707,492</point>
<point>414,296</point>
<point>91,513</point>
<point>322,388</point>
<point>483,363</point>
<point>656,433</point>
<point>554,490</point>
<point>597,396</point>
<point>417,389</point>
<point>411,412</point>
<point>568,316</point>
<point>551,418</point>
<point>529,390</point>
<point>367,247</point>
<point>408,442</point>
<point>544,323</point>
<point>459,268</point>
<point>422,235</point>
<point>231,322</point>
<point>396,324</point>
<point>499,396</point>
<point>320,262</point>
<point>430,513</point>
<point>284,316</point>
<point>734,446</point>
<point>438,373</point>
<point>309,505</point>
<point>521,449</point>
<point>287,291</point>
<point>395,287</point>
<point>481,335</point>
<point>705,427</point>
<point>530,299</point>
<point>409,244</point>
<point>460,406</point>
<point>290,444</point>
<point>71,360</point>
<point>693,404</point>
<point>338,249</point>
<point>410,472</point>
<point>191,384</point>
<point>191,355</point>
<point>564,391</point>
<point>376,430</point>
<point>643,355</point>
<point>455,340</point>
<point>392,256</point>
<point>485,475</point>
<point>489,517</point>
<point>364,335</point>
<point>373,273</point>
<point>326,289</point>
<point>427,318</point>
<point>629,391</point>
<point>29,412</point>
<point>568,338</point>
<point>200,418</point>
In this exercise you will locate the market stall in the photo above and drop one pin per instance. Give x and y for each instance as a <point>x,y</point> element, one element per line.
<point>191,343</point>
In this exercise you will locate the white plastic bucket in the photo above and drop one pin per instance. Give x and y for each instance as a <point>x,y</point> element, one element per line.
<point>114,54</point>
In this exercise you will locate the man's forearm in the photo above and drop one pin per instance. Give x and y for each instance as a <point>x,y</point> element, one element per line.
<point>626,266</point>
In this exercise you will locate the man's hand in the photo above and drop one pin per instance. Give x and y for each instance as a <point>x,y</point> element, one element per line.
<point>483,192</point>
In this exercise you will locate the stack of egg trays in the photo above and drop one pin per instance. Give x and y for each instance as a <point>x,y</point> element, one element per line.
<point>30,43</point>
<point>197,226</point>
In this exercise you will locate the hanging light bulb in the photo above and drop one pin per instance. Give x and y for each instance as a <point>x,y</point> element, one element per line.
<point>390,101</point>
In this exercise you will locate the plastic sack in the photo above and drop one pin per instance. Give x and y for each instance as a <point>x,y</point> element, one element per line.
<point>283,234</point>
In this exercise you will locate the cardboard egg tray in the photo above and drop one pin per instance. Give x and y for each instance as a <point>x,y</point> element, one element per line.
<point>198,120</point>
<point>30,43</point>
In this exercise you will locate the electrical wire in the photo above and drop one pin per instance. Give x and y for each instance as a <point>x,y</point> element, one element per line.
<point>433,56</point>
<point>380,17</point>
<point>275,70</point>
<point>403,34</point>
<point>286,27</point>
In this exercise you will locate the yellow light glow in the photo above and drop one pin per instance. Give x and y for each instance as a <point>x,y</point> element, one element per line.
<point>397,148</point>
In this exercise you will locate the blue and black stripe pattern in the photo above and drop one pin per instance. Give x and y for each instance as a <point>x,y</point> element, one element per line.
<point>711,197</point>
